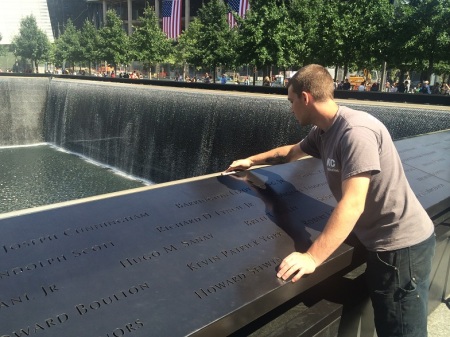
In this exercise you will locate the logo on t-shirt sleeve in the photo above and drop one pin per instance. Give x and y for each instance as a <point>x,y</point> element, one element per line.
<point>331,165</point>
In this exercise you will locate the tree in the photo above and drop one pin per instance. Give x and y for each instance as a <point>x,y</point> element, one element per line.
<point>114,42</point>
<point>339,33</point>
<point>306,47</point>
<point>187,50</point>
<point>428,41</point>
<point>31,43</point>
<point>67,46</point>
<point>350,34</point>
<point>148,42</point>
<point>211,41</point>
<point>442,65</point>
<point>381,36</point>
<point>2,50</point>
<point>89,43</point>
<point>265,35</point>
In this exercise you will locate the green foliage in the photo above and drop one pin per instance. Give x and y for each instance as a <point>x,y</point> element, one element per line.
<point>31,43</point>
<point>303,15</point>
<point>67,46</point>
<point>2,48</point>
<point>114,42</point>
<point>209,41</point>
<point>217,40</point>
<point>148,42</point>
<point>379,38</point>
<point>188,49</point>
<point>89,42</point>
<point>428,40</point>
<point>324,40</point>
<point>409,35</point>
<point>352,34</point>
<point>266,35</point>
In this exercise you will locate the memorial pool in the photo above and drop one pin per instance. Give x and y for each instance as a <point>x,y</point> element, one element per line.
<point>42,174</point>
<point>100,248</point>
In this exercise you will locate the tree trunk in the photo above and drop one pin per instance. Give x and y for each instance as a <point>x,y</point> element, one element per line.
<point>430,69</point>
<point>266,71</point>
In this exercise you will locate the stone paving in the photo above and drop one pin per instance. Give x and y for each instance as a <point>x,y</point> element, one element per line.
<point>439,321</point>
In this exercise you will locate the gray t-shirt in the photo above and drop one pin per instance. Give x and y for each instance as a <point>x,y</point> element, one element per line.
<point>357,142</point>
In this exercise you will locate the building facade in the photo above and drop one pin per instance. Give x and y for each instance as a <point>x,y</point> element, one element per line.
<point>95,11</point>
<point>52,15</point>
<point>13,11</point>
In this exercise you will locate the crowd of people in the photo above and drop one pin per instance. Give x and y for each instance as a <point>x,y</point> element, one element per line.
<point>401,87</point>
<point>405,86</point>
<point>436,89</point>
<point>207,78</point>
<point>421,87</point>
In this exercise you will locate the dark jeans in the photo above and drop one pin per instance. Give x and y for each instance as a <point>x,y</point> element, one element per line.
<point>398,282</point>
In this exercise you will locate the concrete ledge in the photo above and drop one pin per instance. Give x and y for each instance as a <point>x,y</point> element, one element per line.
<point>341,94</point>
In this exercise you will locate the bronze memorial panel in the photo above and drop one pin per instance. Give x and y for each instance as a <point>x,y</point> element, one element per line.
<point>196,258</point>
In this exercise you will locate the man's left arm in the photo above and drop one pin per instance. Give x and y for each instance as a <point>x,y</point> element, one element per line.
<point>339,225</point>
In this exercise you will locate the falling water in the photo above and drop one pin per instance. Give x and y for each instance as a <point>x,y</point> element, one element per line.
<point>22,108</point>
<point>163,134</point>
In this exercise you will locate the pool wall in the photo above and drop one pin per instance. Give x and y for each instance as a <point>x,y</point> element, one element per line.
<point>167,133</point>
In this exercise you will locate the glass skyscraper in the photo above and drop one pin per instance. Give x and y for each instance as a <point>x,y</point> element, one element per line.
<point>13,11</point>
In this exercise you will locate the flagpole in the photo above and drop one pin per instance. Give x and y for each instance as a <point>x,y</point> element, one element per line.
<point>187,13</point>
<point>130,17</point>
<point>157,8</point>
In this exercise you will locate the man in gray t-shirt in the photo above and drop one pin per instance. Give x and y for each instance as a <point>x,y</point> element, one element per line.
<point>357,142</point>
<point>374,199</point>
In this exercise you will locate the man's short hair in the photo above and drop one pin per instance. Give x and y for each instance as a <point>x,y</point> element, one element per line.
<point>315,80</point>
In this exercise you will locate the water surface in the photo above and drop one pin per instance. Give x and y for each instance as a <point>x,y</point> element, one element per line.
<point>38,175</point>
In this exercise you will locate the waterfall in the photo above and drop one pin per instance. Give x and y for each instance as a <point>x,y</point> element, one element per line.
<point>163,133</point>
<point>22,108</point>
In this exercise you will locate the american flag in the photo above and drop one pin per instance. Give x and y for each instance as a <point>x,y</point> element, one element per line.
<point>239,7</point>
<point>171,12</point>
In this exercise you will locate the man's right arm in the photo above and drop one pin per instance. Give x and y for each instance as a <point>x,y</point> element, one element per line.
<point>279,155</point>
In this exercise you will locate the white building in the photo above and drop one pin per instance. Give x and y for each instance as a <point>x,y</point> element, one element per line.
<point>13,11</point>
